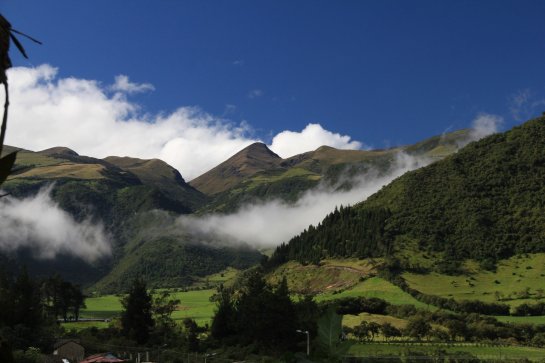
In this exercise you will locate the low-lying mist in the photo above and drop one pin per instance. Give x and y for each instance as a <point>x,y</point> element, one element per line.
<point>269,223</point>
<point>39,224</point>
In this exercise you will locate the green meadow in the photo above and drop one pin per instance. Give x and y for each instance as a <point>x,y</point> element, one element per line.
<point>194,304</point>
<point>520,279</point>
<point>481,351</point>
<point>375,287</point>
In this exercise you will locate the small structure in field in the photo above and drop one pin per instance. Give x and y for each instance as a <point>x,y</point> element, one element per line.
<point>102,358</point>
<point>69,349</point>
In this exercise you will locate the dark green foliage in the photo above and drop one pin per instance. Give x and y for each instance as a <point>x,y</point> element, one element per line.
<point>23,322</point>
<point>389,331</point>
<point>136,317</point>
<point>173,262</point>
<point>536,309</point>
<point>346,232</point>
<point>223,324</point>
<point>288,189</point>
<point>62,298</point>
<point>417,327</point>
<point>357,305</point>
<point>262,315</point>
<point>485,202</point>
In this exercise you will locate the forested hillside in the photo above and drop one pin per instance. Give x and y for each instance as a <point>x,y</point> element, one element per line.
<point>486,202</point>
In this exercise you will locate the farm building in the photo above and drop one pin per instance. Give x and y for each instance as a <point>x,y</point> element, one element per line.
<point>102,358</point>
<point>69,349</point>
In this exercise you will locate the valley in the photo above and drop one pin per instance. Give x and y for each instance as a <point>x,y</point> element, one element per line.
<point>393,261</point>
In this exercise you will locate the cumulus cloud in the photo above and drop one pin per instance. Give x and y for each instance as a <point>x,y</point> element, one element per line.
<point>39,224</point>
<point>48,111</point>
<point>269,223</point>
<point>122,84</point>
<point>289,143</point>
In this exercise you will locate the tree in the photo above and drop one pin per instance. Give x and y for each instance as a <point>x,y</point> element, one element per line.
<point>222,323</point>
<point>389,331</point>
<point>417,327</point>
<point>136,317</point>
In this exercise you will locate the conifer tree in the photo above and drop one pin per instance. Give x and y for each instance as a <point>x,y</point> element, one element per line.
<point>136,318</point>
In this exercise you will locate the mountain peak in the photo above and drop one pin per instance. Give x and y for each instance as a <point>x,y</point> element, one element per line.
<point>58,150</point>
<point>258,150</point>
<point>249,161</point>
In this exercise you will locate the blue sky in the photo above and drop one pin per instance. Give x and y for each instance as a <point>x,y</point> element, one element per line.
<point>383,72</point>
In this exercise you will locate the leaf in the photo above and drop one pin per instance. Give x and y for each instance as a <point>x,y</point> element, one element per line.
<point>18,45</point>
<point>6,163</point>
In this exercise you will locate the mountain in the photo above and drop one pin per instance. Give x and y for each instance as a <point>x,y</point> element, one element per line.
<point>485,202</point>
<point>119,192</point>
<point>249,161</point>
<point>139,203</point>
<point>256,173</point>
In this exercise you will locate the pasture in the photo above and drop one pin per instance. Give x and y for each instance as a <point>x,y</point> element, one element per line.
<point>193,304</point>
<point>520,279</point>
<point>492,352</point>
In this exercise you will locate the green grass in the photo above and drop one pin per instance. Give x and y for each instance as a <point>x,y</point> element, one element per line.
<point>193,304</point>
<point>512,279</point>
<point>522,319</point>
<point>354,320</point>
<point>483,352</point>
<point>106,307</point>
<point>380,288</point>
<point>65,170</point>
<point>196,305</point>
<point>290,173</point>
<point>84,325</point>
<point>29,158</point>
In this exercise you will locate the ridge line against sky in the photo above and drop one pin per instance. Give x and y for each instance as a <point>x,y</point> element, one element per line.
<point>103,122</point>
<point>370,74</point>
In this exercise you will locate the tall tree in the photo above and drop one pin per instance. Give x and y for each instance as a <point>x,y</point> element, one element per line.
<point>136,317</point>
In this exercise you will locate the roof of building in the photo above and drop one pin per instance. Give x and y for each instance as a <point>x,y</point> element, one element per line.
<point>62,342</point>
<point>102,358</point>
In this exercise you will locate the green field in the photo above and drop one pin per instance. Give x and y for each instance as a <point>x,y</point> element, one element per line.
<point>380,288</point>
<point>517,280</point>
<point>481,351</point>
<point>354,320</point>
<point>193,304</point>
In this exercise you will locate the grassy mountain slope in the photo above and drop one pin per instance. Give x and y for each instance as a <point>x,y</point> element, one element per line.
<point>485,202</point>
<point>256,173</point>
<point>247,162</point>
<point>162,176</point>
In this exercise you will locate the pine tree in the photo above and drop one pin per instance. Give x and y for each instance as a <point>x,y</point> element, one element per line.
<point>136,317</point>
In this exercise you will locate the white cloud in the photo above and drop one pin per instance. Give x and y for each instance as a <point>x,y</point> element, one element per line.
<point>289,143</point>
<point>255,93</point>
<point>48,111</point>
<point>270,223</point>
<point>485,124</point>
<point>38,223</point>
<point>122,84</point>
